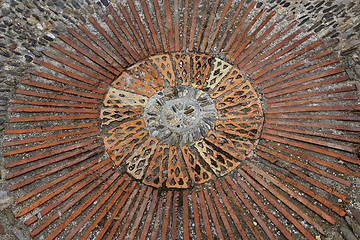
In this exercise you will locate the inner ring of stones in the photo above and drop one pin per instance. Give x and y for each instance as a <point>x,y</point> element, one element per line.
<point>179,116</point>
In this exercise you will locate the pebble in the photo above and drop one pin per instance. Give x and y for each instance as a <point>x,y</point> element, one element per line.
<point>318,29</point>
<point>55,32</point>
<point>330,8</point>
<point>347,233</point>
<point>5,12</point>
<point>354,42</point>
<point>357,69</point>
<point>4,53</point>
<point>7,20</point>
<point>4,203</point>
<point>303,21</point>
<point>10,82</point>
<point>10,215</point>
<point>46,37</point>
<point>15,73</point>
<point>355,213</point>
<point>49,34</point>
<point>2,229</point>
<point>13,46</point>
<point>14,64</point>
<point>350,35</point>
<point>39,48</point>
<point>357,28</point>
<point>105,2</point>
<point>353,225</point>
<point>16,52</point>
<point>259,4</point>
<point>3,194</point>
<point>18,233</point>
<point>333,42</point>
<point>68,18</point>
<point>35,53</point>
<point>28,58</point>
<point>39,26</point>
<point>20,7</point>
<point>75,3</point>
<point>348,51</point>
<point>60,4</point>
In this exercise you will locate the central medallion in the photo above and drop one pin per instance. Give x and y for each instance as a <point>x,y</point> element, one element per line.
<point>179,116</point>
<point>178,120</point>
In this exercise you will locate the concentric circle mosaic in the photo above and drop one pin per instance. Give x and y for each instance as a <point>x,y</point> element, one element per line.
<point>183,120</point>
<point>176,120</point>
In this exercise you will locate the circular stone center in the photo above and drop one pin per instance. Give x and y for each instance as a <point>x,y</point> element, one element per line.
<point>177,120</point>
<point>179,116</point>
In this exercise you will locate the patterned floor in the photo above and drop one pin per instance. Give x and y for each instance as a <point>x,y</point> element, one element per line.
<point>222,121</point>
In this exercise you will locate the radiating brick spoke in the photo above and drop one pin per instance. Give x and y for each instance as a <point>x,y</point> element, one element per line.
<point>141,27</point>
<point>181,120</point>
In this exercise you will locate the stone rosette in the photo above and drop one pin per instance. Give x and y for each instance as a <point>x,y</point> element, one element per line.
<point>176,120</point>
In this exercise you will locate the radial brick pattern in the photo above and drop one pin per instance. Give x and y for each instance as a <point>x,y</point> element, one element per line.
<point>215,122</point>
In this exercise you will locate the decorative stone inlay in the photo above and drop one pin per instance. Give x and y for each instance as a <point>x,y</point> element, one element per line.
<point>176,120</point>
<point>306,161</point>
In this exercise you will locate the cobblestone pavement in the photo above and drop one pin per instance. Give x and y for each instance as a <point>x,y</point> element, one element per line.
<point>204,119</point>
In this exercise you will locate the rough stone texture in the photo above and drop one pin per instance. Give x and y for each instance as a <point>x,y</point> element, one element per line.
<point>28,27</point>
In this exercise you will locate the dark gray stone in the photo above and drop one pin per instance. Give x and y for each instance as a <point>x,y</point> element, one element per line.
<point>347,233</point>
